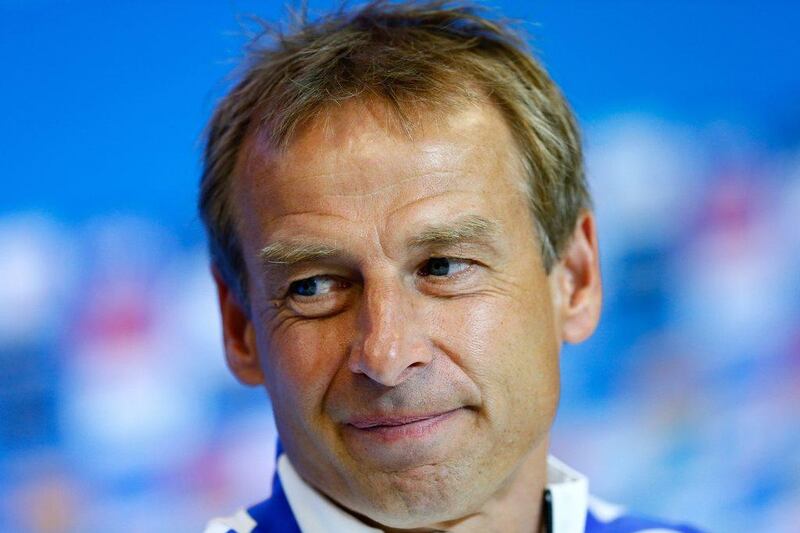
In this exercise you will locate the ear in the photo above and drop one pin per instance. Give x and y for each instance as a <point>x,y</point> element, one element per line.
<point>575,283</point>
<point>238,335</point>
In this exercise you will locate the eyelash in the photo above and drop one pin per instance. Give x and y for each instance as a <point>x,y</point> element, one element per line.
<point>430,278</point>
<point>441,279</point>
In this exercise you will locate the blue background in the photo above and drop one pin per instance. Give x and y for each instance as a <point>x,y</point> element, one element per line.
<point>114,399</point>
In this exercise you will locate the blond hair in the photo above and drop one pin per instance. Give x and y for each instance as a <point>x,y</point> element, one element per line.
<point>407,55</point>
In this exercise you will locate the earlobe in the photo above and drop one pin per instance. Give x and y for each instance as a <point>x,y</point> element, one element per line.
<point>576,283</point>
<point>238,335</point>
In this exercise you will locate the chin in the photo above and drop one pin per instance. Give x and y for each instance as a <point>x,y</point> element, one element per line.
<point>416,514</point>
<point>424,496</point>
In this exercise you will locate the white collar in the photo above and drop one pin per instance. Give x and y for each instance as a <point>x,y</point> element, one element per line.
<point>315,514</point>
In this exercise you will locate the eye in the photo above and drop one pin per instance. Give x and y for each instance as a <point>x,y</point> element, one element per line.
<point>315,286</point>
<point>444,266</point>
<point>318,296</point>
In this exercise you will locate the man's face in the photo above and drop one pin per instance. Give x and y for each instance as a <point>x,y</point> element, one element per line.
<point>400,311</point>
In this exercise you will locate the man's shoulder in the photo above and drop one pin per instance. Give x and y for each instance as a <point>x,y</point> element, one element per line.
<point>269,516</point>
<point>241,522</point>
<point>273,515</point>
<point>605,517</point>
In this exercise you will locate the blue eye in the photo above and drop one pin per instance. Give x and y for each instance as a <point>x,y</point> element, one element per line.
<point>316,286</point>
<point>443,266</point>
<point>304,287</point>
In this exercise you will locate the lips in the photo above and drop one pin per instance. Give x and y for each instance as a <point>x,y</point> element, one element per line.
<point>368,422</point>
<point>398,440</point>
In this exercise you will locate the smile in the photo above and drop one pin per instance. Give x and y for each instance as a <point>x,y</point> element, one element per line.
<point>394,428</point>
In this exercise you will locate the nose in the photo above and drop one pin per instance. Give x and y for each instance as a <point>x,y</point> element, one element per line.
<point>390,345</point>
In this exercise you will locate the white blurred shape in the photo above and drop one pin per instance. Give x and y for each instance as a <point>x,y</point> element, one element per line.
<point>36,270</point>
<point>187,313</point>
<point>644,174</point>
<point>132,403</point>
<point>732,281</point>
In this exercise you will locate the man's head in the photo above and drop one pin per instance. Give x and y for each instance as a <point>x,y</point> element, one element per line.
<point>401,239</point>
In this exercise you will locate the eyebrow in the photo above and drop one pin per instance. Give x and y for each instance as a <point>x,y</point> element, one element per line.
<point>464,229</point>
<point>293,252</point>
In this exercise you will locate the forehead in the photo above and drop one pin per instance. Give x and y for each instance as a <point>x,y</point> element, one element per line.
<point>357,159</point>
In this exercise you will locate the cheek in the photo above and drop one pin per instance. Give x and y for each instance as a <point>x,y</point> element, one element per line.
<point>300,361</point>
<point>507,346</point>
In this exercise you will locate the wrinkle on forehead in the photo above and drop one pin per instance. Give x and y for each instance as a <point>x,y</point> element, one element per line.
<point>352,155</point>
<point>325,124</point>
<point>342,127</point>
<point>387,187</point>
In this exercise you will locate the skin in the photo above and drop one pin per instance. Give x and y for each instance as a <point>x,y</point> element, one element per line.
<point>381,333</point>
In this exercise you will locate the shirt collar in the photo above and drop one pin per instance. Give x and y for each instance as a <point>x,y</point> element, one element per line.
<point>316,514</point>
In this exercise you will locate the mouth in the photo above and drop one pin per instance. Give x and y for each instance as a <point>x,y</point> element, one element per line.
<point>389,428</point>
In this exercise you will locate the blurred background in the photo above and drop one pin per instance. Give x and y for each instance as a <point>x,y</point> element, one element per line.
<point>116,409</point>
